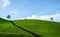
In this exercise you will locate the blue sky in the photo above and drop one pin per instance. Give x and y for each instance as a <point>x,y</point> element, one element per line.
<point>30,9</point>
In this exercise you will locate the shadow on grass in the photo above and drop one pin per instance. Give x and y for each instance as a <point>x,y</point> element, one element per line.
<point>35,35</point>
<point>14,35</point>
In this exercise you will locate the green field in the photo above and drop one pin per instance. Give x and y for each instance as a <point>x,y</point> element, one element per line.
<point>40,27</point>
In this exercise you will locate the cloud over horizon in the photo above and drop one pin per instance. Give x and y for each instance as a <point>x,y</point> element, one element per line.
<point>44,17</point>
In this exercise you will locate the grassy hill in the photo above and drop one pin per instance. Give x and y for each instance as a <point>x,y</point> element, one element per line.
<point>40,27</point>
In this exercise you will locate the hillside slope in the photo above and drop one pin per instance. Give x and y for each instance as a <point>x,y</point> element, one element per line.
<point>44,28</point>
<point>6,28</point>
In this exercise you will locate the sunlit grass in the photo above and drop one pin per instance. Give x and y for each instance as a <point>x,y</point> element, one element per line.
<point>41,27</point>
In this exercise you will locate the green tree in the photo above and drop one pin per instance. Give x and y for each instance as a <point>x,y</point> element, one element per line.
<point>51,18</point>
<point>8,16</point>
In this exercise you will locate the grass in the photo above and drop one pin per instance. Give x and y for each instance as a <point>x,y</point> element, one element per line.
<point>40,27</point>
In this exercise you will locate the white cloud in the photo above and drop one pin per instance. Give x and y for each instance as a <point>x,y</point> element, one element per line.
<point>44,17</point>
<point>4,3</point>
<point>32,17</point>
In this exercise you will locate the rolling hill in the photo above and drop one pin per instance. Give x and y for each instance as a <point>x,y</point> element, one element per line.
<point>40,27</point>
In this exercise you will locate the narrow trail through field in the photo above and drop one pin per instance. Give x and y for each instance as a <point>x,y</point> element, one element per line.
<point>35,35</point>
